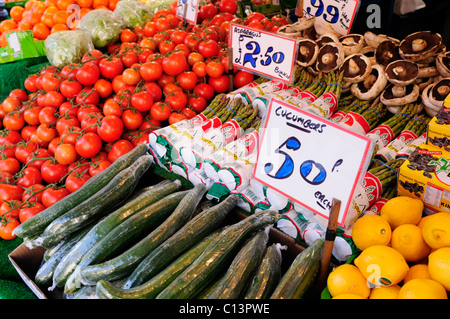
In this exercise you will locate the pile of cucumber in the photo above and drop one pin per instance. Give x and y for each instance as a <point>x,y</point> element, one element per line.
<point>110,240</point>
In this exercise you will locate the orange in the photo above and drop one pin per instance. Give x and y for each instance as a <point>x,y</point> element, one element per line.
<point>29,4</point>
<point>63,4</point>
<point>50,3</point>
<point>402,210</point>
<point>390,292</point>
<point>371,230</point>
<point>346,279</point>
<point>421,288</point>
<point>85,3</point>
<point>417,271</point>
<point>436,230</point>
<point>83,12</point>
<point>41,31</point>
<point>59,27</point>
<point>349,296</point>
<point>47,19</point>
<point>24,26</point>
<point>422,221</point>
<point>60,17</point>
<point>7,25</point>
<point>408,240</point>
<point>39,7</point>
<point>439,266</point>
<point>112,4</point>
<point>16,13</point>
<point>51,10</point>
<point>100,3</point>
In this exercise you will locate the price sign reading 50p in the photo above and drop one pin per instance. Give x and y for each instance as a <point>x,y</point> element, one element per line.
<point>311,160</point>
<point>264,53</point>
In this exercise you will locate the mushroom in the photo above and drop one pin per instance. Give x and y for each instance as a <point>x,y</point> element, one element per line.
<point>420,45</point>
<point>330,57</point>
<point>427,71</point>
<point>423,82</point>
<point>430,108</point>
<point>308,50</point>
<point>328,38</point>
<point>401,73</point>
<point>372,86</point>
<point>356,68</point>
<point>352,43</point>
<point>386,52</point>
<point>369,52</point>
<point>443,64</point>
<point>324,28</point>
<point>439,92</point>
<point>294,30</point>
<point>374,40</point>
<point>395,95</point>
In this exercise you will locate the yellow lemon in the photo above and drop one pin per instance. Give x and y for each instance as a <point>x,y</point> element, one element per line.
<point>371,230</point>
<point>421,288</point>
<point>348,296</point>
<point>382,265</point>
<point>439,266</point>
<point>345,279</point>
<point>417,271</point>
<point>390,292</point>
<point>408,240</point>
<point>436,230</point>
<point>402,210</point>
<point>422,221</point>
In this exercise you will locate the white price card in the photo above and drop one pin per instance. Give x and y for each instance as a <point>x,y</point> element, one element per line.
<point>311,160</point>
<point>340,14</point>
<point>262,52</point>
<point>188,10</point>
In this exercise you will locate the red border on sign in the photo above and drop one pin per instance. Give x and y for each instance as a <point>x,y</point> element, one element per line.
<point>230,42</point>
<point>355,184</point>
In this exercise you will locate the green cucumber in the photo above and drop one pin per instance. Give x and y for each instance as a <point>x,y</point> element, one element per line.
<point>150,289</point>
<point>45,272</point>
<point>267,275</point>
<point>147,196</point>
<point>216,256</point>
<point>191,233</point>
<point>125,263</point>
<point>37,224</point>
<point>242,267</point>
<point>124,234</point>
<point>301,273</point>
<point>99,204</point>
<point>49,252</point>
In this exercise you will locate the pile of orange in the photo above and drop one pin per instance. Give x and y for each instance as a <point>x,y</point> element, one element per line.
<point>49,16</point>
<point>404,255</point>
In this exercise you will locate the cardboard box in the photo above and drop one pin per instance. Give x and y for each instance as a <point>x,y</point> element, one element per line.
<point>438,134</point>
<point>426,175</point>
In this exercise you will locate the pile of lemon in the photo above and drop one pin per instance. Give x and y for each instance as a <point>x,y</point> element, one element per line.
<point>403,255</point>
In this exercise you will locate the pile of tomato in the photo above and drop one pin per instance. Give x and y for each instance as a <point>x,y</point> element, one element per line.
<point>71,123</point>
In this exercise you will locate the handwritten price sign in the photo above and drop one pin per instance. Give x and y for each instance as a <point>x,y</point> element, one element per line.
<point>188,10</point>
<point>340,14</point>
<point>311,160</point>
<point>264,53</point>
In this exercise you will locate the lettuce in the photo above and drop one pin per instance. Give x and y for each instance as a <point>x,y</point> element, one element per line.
<point>103,26</point>
<point>133,13</point>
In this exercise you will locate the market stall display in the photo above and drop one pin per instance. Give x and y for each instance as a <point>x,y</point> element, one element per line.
<point>87,141</point>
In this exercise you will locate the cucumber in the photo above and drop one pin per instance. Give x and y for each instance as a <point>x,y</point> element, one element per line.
<point>242,267</point>
<point>44,274</point>
<point>49,252</point>
<point>36,224</point>
<point>150,289</point>
<point>118,189</point>
<point>124,234</point>
<point>191,233</point>
<point>126,262</point>
<point>267,275</point>
<point>301,273</point>
<point>146,197</point>
<point>216,256</point>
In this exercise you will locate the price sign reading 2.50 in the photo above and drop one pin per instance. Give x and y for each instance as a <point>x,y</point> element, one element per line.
<point>262,52</point>
<point>310,160</point>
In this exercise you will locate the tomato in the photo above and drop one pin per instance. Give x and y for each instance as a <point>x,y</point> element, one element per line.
<point>10,192</point>
<point>199,68</point>
<point>48,115</point>
<point>7,229</point>
<point>166,46</point>
<point>154,89</point>
<point>214,69</point>
<point>11,104</point>
<point>208,11</point>
<point>132,119</point>
<point>88,95</point>
<point>30,210</point>
<point>217,20</point>
<point>192,41</point>
<point>24,151</point>
<point>103,87</point>
<point>33,193</point>
<point>46,132</point>
<point>208,48</point>
<point>52,195</point>
<point>14,121</point>
<point>50,82</point>
<point>86,109</point>
<point>205,90</point>
<point>88,74</point>
<point>20,94</point>
<point>150,29</point>
<point>220,84</point>
<point>162,24</point>
<point>194,57</point>
<point>110,67</point>
<point>229,6</point>
<point>256,25</point>
<point>30,83</point>
<point>66,154</point>
<point>160,111</point>
<point>242,78</point>
<point>254,16</point>
<point>98,167</point>
<point>178,36</point>
<point>128,35</point>
<point>65,122</point>
<point>92,56</point>
<point>131,76</point>
<point>111,128</point>
<point>187,80</point>
<point>10,209</point>
<point>142,101</point>
<point>197,103</point>
<point>110,107</point>
<point>67,108</point>
<point>53,172</point>
<point>129,58</point>
<point>31,115</point>
<point>88,145</point>
<point>165,79</point>
<point>70,71</point>
<point>119,148</point>
<point>91,121</point>
<point>176,100</point>
<point>70,88</point>
<point>75,180</point>
<point>151,71</point>
<point>176,117</point>
<point>39,157</point>
<point>174,64</point>
<point>29,176</point>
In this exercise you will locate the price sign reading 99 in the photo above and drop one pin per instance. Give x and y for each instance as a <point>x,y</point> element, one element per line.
<point>311,160</point>
<point>338,13</point>
<point>262,52</point>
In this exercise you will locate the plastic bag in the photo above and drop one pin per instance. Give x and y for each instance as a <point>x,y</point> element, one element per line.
<point>133,13</point>
<point>65,47</point>
<point>103,26</point>
<point>156,5</point>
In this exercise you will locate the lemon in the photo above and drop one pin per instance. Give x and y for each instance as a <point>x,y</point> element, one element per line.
<point>390,292</point>
<point>382,265</point>
<point>348,296</point>
<point>402,210</point>
<point>346,279</point>
<point>421,288</point>
<point>417,271</point>
<point>436,230</point>
<point>408,240</point>
<point>439,266</point>
<point>371,230</point>
<point>422,221</point>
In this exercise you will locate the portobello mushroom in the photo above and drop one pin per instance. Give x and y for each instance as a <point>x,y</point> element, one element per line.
<point>395,95</point>
<point>439,92</point>
<point>372,86</point>
<point>402,72</point>
<point>443,64</point>
<point>420,45</point>
<point>330,58</point>
<point>352,43</point>
<point>387,52</point>
<point>308,50</point>
<point>356,68</point>
<point>430,108</point>
<point>374,40</point>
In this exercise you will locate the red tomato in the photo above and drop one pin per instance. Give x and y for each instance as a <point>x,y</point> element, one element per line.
<point>88,145</point>
<point>229,6</point>
<point>214,69</point>
<point>10,165</point>
<point>160,111</point>
<point>29,211</point>
<point>220,84</point>
<point>10,192</point>
<point>208,11</point>
<point>14,121</point>
<point>24,151</point>
<point>70,88</point>
<point>50,82</point>
<point>92,56</point>
<point>33,194</point>
<point>88,95</point>
<point>75,180</point>
<point>176,117</point>
<point>98,167</point>
<point>142,101</point>
<point>7,229</point>
<point>154,90</point>
<point>174,64</point>
<point>48,115</point>
<point>132,119</point>
<point>119,148</point>
<point>52,195</point>
<point>197,103</point>
<point>88,74</point>
<point>209,48</point>
<point>10,209</point>
<point>205,90</point>
<point>53,172</point>
<point>29,177</point>
<point>103,87</point>
<point>110,129</point>
<point>110,67</point>
<point>178,36</point>
<point>176,100</point>
<point>151,71</point>
<point>187,80</point>
<point>242,78</point>
<point>66,154</point>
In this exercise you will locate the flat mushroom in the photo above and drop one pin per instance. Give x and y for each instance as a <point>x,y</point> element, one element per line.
<point>374,40</point>
<point>294,30</point>
<point>372,86</point>
<point>443,64</point>
<point>420,45</point>
<point>328,38</point>
<point>356,68</point>
<point>439,92</point>
<point>352,43</point>
<point>395,95</point>
<point>308,50</point>
<point>387,52</point>
<point>402,72</point>
<point>430,108</point>
<point>330,57</point>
